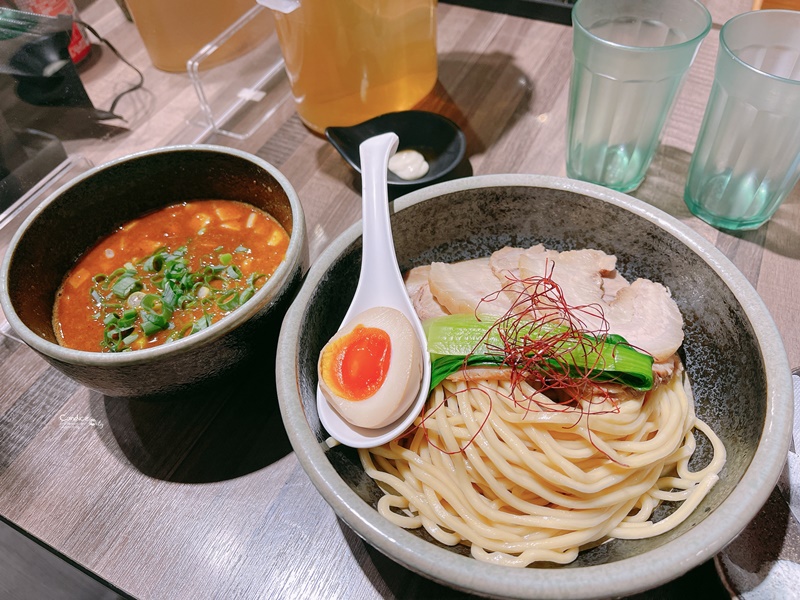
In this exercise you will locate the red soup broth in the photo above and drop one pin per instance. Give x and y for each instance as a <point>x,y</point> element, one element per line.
<point>166,275</point>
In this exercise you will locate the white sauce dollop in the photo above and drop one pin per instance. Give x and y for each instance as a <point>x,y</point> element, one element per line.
<point>408,165</point>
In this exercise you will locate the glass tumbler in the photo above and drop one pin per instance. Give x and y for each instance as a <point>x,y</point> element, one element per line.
<point>747,156</point>
<point>630,58</point>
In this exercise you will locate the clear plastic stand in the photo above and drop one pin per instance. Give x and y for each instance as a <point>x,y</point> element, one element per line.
<point>238,95</point>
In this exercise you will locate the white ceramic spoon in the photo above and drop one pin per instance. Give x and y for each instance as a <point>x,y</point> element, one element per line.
<point>379,284</point>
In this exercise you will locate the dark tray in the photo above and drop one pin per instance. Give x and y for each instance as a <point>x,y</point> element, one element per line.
<point>556,11</point>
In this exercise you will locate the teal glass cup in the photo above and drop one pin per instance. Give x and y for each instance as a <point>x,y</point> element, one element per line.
<point>630,58</point>
<point>747,157</point>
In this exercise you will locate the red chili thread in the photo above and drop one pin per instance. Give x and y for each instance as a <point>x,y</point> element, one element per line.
<point>539,303</point>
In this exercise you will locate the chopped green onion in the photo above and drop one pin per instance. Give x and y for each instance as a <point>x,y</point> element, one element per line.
<point>254,278</point>
<point>149,328</point>
<point>170,297</point>
<point>234,272</point>
<point>162,283</point>
<point>116,274</point>
<point>228,301</point>
<point>153,304</point>
<point>201,323</point>
<point>246,295</point>
<point>125,286</point>
<point>154,263</point>
<point>135,299</point>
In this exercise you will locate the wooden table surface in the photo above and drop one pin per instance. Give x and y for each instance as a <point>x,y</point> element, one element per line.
<point>205,499</point>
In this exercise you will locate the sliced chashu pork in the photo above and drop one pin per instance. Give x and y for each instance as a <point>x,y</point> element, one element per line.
<point>643,312</point>
<point>464,285</point>
<point>579,275</point>
<point>469,286</point>
<point>505,262</point>
<point>505,266</point>
<point>419,290</point>
<point>612,283</point>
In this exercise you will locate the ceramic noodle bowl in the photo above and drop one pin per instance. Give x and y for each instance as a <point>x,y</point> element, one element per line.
<point>732,352</point>
<point>90,207</point>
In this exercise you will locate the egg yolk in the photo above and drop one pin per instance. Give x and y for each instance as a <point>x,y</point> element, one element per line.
<point>356,364</point>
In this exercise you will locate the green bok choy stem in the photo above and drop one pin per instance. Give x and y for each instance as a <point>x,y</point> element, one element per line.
<point>458,340</point>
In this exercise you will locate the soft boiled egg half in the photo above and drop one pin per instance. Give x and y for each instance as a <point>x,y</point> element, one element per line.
<point>371,370</point>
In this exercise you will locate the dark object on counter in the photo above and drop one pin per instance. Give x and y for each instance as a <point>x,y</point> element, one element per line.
<point>27,157</point>
<point>34,52</point>
<point>79,46</point>
<point>32,569</point>
<point>437,138</point>
<point>556,11</point>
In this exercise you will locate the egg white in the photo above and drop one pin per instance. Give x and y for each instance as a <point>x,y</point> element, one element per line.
<point>403,377</point>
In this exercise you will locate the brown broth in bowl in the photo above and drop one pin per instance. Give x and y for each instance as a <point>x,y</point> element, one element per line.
<point>167,275</point>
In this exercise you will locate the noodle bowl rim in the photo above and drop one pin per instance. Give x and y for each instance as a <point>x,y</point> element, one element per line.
<point>626,576</point>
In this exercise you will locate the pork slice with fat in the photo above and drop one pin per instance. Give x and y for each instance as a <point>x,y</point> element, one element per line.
<point>469,286</point>
<point>579,276</point>
<point>645,314</point>
<point>419,290</point>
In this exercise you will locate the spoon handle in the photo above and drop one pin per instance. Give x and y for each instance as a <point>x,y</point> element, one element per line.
<point>379,269</point>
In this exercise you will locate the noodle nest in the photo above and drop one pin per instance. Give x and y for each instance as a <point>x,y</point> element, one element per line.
<point>521,479</point>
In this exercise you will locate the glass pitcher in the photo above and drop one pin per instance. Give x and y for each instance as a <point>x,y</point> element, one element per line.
<point>351,60</point>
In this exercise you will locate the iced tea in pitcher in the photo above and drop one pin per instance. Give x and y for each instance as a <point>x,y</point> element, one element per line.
<point>351,60</point>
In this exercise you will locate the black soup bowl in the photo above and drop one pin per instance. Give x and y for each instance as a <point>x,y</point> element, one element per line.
<point>90,207</point>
